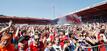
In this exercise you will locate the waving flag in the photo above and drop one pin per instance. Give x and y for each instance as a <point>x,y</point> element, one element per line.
<point>73,18</point>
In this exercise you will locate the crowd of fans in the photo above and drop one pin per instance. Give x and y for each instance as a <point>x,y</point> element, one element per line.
<point>84,37</point>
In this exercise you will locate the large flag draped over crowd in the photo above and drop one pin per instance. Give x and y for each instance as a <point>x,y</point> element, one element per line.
<point>70,19</point>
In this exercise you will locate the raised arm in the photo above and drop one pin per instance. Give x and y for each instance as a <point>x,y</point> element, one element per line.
<point>16,34</point>
<point>90,40</point>
<point>10,23</point>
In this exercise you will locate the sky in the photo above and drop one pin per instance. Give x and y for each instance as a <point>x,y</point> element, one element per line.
<point>49,9</point>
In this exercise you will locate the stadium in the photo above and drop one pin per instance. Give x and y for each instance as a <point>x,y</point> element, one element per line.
<point>88,34</point>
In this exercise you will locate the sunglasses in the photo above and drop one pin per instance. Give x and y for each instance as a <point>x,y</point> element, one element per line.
<point>36,39</point>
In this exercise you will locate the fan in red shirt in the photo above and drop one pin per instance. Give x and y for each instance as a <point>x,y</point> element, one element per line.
<point>36,45</point>
<point>62,38</point>
<point>23,43</point>
<point>5,43</point>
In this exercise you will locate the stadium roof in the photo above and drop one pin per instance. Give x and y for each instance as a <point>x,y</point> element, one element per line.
<point>91,9</point>
<point>24,20</point>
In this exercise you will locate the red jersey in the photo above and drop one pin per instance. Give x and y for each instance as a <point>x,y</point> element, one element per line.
<point>102,47</point>
<point>10,47</point>
<point>40,47</point>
